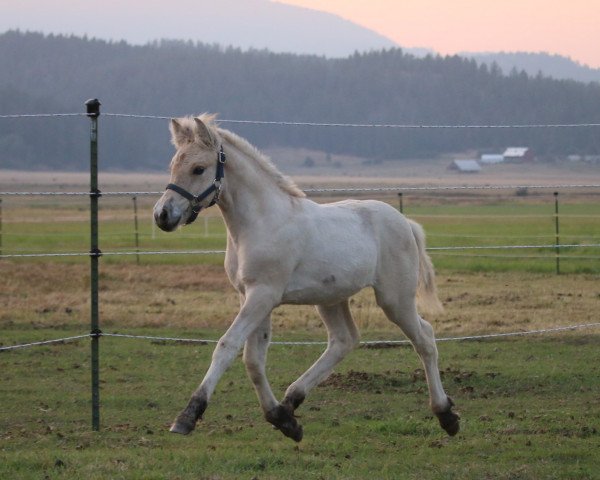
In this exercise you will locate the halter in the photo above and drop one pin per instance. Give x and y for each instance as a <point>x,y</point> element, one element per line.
<point>214,187</point>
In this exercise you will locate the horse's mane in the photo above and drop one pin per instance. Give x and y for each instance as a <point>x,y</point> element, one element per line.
<point>246,148</point>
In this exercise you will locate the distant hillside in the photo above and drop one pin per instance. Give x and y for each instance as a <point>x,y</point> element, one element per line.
<point>57,74</point>
<point>258,24</point>
<point>555,66</point>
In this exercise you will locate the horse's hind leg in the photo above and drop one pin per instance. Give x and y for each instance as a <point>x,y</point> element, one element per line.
<point>342,338</point>
<point>401,310</point>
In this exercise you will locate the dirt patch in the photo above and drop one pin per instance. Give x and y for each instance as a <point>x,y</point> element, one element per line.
<point>355,381</point>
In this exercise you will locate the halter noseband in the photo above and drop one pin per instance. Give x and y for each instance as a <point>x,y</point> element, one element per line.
<point>214,187</point>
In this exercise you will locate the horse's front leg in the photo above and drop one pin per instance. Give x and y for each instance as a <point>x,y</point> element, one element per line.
<point>257,306</point>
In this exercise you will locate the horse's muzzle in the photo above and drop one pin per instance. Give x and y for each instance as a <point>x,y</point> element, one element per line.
<point>166,218</point>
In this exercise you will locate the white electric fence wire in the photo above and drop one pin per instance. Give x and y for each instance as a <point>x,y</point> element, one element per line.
<point>366,125</point>
<point>45,342</point>
<point>220,252</point>
<point>342,190</point>
<point>367,343</point>
<point>43,115</point>
<point>315,124</point>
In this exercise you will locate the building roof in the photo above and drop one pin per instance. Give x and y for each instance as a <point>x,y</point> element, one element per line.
<point>466,165</point>
<point>492,158</point>
<point>516,151</point>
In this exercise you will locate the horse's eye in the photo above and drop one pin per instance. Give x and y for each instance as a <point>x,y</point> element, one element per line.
<point>197,171</point>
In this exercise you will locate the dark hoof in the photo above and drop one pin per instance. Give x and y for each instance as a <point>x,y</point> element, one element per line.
<point>186,421</point>
<point>282,418</point>
<point>449,420</point>
<point>183,426</point>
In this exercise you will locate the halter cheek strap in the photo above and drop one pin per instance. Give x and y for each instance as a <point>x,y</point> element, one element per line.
<point>215,187</point>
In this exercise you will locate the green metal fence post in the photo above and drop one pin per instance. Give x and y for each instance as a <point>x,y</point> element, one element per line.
<point>136,231</point>
<point>556,231</point>
<point>93,112</point>
<point>400,202</point>
<point>0,226</point>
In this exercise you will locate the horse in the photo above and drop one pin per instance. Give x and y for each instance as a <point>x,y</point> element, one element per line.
<point>283,248</point>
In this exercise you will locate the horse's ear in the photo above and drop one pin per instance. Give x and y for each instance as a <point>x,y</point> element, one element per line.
<point>203,133</point>
<point>179,133</point>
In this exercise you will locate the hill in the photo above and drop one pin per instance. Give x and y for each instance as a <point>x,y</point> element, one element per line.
<point>246,24</point>
<point>554,66</point>
<point>57,74</point>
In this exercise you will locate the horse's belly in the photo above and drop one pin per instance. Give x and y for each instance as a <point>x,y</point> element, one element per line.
<point>328,287</point>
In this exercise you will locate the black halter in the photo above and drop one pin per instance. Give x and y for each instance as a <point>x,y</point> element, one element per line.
<point>214,187</point>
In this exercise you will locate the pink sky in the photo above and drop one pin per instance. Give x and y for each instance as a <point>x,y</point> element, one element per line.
<point>570,28</point>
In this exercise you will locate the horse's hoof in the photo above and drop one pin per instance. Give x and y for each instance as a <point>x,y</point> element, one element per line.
<point>449,421</point>
<point>282,418</point>
<point>184,424</point>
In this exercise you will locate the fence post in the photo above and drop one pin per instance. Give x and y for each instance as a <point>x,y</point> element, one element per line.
<point>0,226</point>
<point>556,232</point>
<point>136,231</point>
<point>93,112</point>
<point>400,202</point>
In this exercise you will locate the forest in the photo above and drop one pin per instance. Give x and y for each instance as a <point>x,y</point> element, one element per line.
<point>56,74</point>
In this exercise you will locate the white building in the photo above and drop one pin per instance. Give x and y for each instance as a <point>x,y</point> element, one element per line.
<point>490,158</point>
<point>465,166</point>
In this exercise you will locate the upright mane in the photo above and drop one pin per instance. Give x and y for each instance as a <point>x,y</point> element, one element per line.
<point>282,181</point>
<point>263,162</point>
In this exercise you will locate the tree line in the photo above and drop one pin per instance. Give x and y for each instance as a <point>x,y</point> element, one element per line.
<point>53,73</point>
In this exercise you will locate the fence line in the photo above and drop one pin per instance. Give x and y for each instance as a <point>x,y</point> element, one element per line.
<point>205,341</point>
<point>43,115</point>
<point>317,124</point>
<point>398,188</point>
<point>220,252</point>
<point>44,342</point>
<point>367,125</point>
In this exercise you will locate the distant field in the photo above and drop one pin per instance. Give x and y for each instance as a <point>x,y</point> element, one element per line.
<point>480,219</point>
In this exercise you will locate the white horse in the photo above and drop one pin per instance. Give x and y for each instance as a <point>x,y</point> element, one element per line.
<point>283,248</point>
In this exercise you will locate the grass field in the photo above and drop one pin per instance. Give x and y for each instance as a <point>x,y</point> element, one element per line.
<point>530,405</point>
<point>55,225</point>
<point>530,410</point>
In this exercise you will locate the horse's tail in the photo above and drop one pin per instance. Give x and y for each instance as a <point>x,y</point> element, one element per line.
<point>427,296</point>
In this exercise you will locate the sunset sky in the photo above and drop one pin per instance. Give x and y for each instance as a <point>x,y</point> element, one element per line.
<point>570,28</point>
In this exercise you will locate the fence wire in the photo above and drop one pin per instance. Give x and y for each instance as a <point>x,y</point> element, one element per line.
<point>365,343</point>
<point>221,252</point>
<point>394,189</point>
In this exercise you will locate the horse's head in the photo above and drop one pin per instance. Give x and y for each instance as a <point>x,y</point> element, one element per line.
<point>196,172</point>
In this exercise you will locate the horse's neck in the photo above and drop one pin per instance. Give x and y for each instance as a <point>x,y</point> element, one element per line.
<point>251,196</point>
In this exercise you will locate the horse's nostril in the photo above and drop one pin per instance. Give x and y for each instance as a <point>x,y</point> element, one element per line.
<point>164,216</point>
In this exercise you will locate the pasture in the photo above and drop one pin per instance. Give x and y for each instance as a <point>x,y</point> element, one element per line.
<point>530,405</point>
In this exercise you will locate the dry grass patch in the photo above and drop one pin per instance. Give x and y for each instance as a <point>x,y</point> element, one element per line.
<point>196,297</point>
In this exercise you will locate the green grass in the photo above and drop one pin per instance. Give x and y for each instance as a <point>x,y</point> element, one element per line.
<point>34,226</point>
<point>530,409</point>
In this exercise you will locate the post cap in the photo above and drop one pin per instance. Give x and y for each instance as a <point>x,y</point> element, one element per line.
<point>93,107</point>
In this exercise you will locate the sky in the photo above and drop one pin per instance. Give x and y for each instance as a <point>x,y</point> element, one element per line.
<point>566,27</point>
